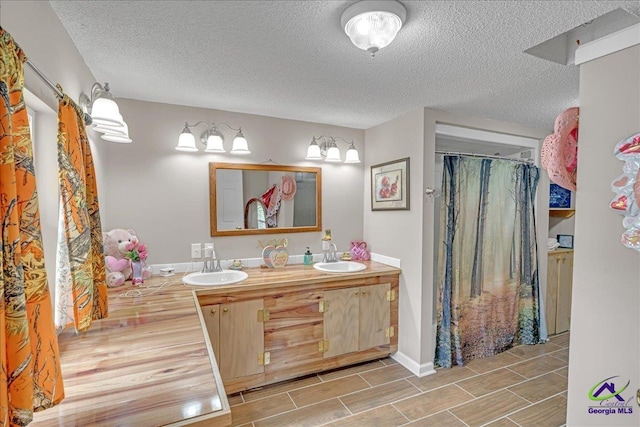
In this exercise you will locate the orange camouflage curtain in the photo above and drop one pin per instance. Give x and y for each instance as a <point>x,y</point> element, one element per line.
<point>30,378</point>
<point>81,288</point>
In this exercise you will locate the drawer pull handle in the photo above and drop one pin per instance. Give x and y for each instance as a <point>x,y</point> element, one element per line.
<point>225,309</point>
<point>213,311</point>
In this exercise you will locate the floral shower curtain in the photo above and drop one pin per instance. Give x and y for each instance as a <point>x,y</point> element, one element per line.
<point>489,295</point>
<point>81,288</point>
<point>30,376</point>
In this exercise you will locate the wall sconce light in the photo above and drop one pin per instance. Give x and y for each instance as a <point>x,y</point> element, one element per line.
<point>373,24</point>
<point>212,138</point>
<point>328,150</point>
<point>105,114</point>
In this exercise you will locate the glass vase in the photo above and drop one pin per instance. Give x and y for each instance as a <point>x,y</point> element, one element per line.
<point>136,266</point>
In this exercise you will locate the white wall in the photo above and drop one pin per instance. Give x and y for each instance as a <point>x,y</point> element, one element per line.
<point>164,194</point>
<point>408,235</point>
<point>149,186</point>
<point>36,28</point>
<point>397,233</point>
<point>605,318</point>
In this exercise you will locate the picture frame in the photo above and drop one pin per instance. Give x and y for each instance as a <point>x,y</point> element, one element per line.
<point>559,197</point>
<point>390,186</point>
<point>565,241</point>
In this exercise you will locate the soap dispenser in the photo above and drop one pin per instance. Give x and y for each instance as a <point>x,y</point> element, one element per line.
<point>308,257</point>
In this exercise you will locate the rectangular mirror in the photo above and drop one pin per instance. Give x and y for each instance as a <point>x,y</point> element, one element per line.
<point>263,199</point>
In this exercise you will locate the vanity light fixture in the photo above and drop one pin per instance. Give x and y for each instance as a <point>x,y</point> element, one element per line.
<point>373,24</point>
<point>328,150</point>
<point>212,138</point>
<point>105,114</point>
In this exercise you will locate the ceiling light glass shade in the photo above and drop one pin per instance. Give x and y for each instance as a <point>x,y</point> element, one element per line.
<point>186,141</point>
<point>240,145</point>
<point>333,154</point>
<point>352,155</point>
<point>214,143</point>
<point>105,111</point>
<point>313,152</point>
<point>372,24</point>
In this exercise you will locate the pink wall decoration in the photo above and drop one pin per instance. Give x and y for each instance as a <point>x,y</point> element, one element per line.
<point>627,189</point>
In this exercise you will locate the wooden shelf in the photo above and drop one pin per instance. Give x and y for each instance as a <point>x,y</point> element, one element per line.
<point>562,213</point>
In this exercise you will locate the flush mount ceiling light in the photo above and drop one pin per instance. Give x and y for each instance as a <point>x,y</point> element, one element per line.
<point>212,138</point>
<point>328,150</point>
<point>105,114</point>
<point>373,24</point>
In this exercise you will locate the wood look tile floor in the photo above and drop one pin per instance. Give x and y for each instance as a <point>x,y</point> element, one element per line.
<point>525,386</point>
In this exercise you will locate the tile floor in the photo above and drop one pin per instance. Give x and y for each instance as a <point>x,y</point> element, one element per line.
<point>524,386</point>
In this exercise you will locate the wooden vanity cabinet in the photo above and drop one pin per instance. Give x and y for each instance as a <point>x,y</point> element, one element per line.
<point>559,284</point>
<point>294,334</point>
<point>356,319</point>
<point>211,317</point>
<point>237,337</point>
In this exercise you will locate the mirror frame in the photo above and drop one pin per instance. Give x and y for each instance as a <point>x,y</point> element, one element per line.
<point>213,203</point>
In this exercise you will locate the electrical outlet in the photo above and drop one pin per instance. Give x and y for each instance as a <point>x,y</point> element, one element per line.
<point>208,250</point>
<point>196,251</point>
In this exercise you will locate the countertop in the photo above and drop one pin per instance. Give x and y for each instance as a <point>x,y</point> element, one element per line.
<point>148,363</point>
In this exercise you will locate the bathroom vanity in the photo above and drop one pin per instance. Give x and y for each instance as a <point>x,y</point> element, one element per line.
<point>279,325</point>
<point>170,356</point>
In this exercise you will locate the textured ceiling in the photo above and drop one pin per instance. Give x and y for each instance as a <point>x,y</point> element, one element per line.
<point>291,59</point>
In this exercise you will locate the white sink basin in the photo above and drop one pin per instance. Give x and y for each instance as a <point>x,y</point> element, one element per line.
<point>339,267</point>
<point>216,278</point>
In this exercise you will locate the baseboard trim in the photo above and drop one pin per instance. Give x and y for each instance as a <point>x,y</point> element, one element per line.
<point>415,368</point>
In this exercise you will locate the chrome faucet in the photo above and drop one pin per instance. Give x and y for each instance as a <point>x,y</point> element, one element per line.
<point>331,255</point>
<point>211,264</point>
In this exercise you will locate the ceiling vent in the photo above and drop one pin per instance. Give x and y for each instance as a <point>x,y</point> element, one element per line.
<point>562,49</point>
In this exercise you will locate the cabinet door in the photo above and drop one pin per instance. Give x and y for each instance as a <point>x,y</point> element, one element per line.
<point>553,268</point>
<point>341,321</point>
<point>375,316</point>
<point>241,339</point>
<point>211,315</point>
<point>292,334</point>
<point>565,279</point>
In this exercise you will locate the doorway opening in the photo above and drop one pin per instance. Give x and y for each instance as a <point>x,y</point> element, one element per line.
<point>478,143</point>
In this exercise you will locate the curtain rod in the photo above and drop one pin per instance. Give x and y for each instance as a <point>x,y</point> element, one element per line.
<point>59,94</point>
<point>45,79</point>
<point>483,155</point>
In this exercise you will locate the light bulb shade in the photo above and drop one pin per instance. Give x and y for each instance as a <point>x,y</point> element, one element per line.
<point>240,145</point>
<point>116,137</point>
<point>352,155</point>
<point>114,130</point>
<point>333,154</point>
<point>313,152</point>
<point>214,144</point>
<point>111,128</point>
<point>186,141</point>
<point>105,111</point>
<point>372,25</point>
<point>115,121</point>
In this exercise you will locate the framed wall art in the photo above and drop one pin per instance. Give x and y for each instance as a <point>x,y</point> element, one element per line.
<point>565,241</point>
<point>390,186</point>
<point>559,197</point>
